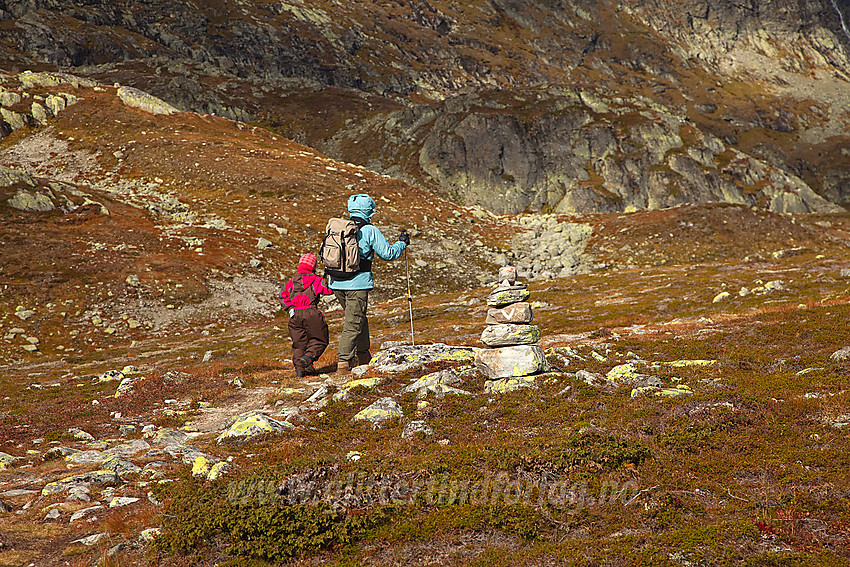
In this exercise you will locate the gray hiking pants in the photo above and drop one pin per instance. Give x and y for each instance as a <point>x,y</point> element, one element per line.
<point>354,339</point>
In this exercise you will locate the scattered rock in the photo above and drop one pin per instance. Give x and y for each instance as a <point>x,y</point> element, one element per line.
<point>98,478</point>
<point>841,354</point>
<point>415,427</point>
<point>149,534</point>
<point>92,539</point>
<point>15,120</point>
<point>505,385</point>
<point>167,436</point>
<point>437,383</point>
<point>264,243</point>
<point>593,379</point>
<point>53,514</point>
<point>345,390</point>
<point>381,411</point>
<point>401,358</point>
<point>218,470</point>
<point>126,386</point>
<point>31,202</point>
<point>629,374</point>
<point>86,457</point>
<point>86,513</point>
<point>39,113</point>
<point>80,435</point>
<point>721,296</point>
<point>23,313</point>
<point>121,501</point>
<point>120,465</point>
<point>7,460</point>
<point>58,452</point>
<point>680,390</point>
<point>252,425</point>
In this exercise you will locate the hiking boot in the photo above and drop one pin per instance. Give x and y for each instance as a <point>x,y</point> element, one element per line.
<point>299,372</point>
<point>364,357</point>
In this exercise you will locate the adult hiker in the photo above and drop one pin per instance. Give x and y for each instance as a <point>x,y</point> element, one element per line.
<point>307,326</point>
<point>353,292</point>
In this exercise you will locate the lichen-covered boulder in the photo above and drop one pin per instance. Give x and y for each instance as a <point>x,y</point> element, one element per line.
<point>381,411</point>
<point>86,457</point>
<point>14,119</point>
<point>144,101</point>
<point>404,357</point>
<point>9,98</point>
<point>126,386</point>
<point>629,374</point>
<point>437,383</point>
<point>39,113</point>
<point>516,313</point>
<point>120,465</point>
<point>135,446</point>
<point>30,202</point>
<point>98,477</point>
<point>218,470</point>
<point>55,104</point>
<point>511,361</point>
<point>30,79</point>
<point>505,385</point>
<point>80,435</point>
<point>7,460</point>
<point>252,425</point>
<point>680,390</point>
<point>510,335</point>
<point>167,436</point>
<point>345,390</point>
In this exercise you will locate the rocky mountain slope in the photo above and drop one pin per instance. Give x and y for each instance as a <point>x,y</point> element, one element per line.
<point>555,106</point>
<point>693,411</point>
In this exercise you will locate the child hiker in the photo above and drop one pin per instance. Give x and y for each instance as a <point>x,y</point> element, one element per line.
<point>307,325</point>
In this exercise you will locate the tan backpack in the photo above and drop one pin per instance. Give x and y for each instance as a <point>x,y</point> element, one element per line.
<point>339,251</point>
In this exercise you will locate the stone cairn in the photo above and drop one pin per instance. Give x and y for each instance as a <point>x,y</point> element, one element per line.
<point>510,338</point>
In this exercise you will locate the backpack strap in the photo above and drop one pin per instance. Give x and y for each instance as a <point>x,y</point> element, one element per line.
<point>365,263</point>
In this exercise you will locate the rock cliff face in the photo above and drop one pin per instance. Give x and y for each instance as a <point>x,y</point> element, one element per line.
<point>543,105</point>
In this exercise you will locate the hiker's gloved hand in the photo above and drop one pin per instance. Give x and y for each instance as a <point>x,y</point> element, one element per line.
<point>404,237</point>
<point>291,311</point>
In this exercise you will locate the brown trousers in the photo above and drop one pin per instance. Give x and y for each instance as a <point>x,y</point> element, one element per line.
<point>309,332</point>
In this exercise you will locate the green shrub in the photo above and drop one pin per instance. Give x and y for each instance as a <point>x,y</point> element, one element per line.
<point>199,515</point>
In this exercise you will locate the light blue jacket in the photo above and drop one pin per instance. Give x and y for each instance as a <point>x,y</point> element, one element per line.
<point>372,243</point>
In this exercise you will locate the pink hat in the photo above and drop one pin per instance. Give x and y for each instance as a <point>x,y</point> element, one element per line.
<point>307,263</point>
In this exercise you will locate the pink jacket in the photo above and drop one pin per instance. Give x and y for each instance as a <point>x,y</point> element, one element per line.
<point>310,282</point>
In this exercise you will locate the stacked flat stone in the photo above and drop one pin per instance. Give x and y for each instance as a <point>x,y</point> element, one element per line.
<point>510,337</point>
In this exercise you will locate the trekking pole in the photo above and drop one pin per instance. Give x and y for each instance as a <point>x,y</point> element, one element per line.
<point>409,297</point>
